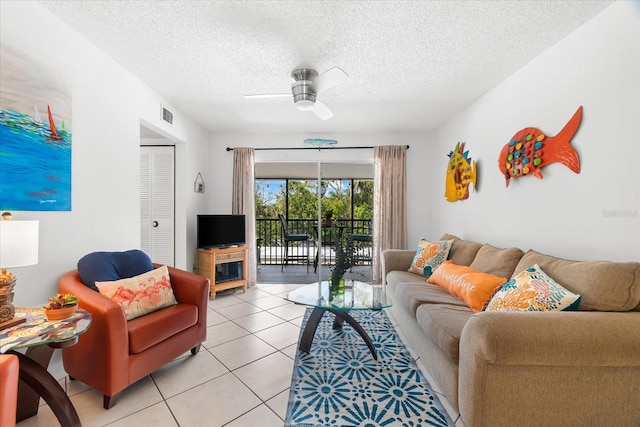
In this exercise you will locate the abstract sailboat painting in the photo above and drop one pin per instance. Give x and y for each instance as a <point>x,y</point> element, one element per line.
<point>35,154</point>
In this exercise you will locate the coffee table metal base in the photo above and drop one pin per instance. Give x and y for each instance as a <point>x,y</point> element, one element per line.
<point>36,382</point>
<point>341,317</point>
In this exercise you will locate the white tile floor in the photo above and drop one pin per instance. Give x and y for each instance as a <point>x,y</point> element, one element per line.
<point>239,379</point>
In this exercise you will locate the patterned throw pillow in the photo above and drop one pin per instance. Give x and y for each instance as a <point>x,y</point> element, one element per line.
<point>429,256</point>
<point>473,287</point>
<point>141,294</point>
<point>533,290</point>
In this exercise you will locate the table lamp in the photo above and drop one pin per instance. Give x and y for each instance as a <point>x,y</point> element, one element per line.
<point>18,248</point>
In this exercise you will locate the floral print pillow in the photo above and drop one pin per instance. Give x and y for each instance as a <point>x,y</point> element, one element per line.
<point>429,256</point>
<point>533,290</point>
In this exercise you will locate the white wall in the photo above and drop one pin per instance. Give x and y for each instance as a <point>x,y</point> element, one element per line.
<point>108,104</point>
<point>564,214</point>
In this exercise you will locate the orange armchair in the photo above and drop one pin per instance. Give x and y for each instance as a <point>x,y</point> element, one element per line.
<point>114,353</point>
<point>9,371</point>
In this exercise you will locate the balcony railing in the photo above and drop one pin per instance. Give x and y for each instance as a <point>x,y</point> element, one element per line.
<point>270,239</point>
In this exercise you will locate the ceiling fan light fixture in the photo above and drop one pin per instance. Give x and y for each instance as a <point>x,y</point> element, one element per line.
<point>305,105</point>
<point>303,96</point>
<point>306,86</point>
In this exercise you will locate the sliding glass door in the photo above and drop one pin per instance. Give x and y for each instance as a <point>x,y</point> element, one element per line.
<point>325,200</point>
<point>345,221</point>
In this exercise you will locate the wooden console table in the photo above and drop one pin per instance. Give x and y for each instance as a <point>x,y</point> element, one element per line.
<point>209,259</point>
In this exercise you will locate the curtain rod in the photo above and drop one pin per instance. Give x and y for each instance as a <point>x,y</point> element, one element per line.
<point>309,148</point>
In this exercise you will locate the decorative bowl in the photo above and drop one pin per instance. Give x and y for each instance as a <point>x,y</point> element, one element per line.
<point>60,313</point>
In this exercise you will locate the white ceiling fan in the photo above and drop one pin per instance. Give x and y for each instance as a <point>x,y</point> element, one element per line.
<point>306,87</point>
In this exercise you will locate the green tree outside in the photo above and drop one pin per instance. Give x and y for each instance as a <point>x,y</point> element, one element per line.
<point>271,199</point>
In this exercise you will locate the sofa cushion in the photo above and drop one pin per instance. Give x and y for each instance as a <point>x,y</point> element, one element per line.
<point>109,266</point>
<point>429,256</point>
<point>499,262</point>
<point>471,286</point>
<point>147,331</point>
<point>443,323</point>
<point>141,294</point>
<point>402,276</point>
<point>603,285</point>
<point>411,295</point>
<point>533,290</point>
<point>462,252</point>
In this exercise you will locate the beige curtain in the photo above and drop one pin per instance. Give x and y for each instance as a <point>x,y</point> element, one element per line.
<point>244,202</point>
<point>389,202</point>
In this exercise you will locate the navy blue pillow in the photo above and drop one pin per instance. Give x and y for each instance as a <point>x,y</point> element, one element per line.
<point>110,266</point>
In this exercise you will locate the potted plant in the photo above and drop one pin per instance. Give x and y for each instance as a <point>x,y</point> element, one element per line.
<point>328,217</point>
<point>61,306</point>
<point>345,259</point>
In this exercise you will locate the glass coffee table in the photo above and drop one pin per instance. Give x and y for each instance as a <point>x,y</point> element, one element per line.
<point>356,296</point>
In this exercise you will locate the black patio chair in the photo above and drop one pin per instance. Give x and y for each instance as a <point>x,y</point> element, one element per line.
<point>293,237</point>
<point>364,246</point>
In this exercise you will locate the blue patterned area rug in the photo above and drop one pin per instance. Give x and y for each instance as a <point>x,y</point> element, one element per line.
<point>340,383</point>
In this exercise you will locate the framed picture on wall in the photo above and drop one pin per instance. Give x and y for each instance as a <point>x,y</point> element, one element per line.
<point>35,135</point>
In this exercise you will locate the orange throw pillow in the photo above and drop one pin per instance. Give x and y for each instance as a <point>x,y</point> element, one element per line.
<point>471,286</point>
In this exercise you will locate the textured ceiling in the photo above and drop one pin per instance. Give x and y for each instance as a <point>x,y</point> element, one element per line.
<point>411,64</point>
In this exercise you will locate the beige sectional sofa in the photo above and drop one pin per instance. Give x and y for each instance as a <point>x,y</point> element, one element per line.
<point>556,368</point>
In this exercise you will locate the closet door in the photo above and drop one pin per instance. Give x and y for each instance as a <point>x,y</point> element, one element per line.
<point>157,203</point>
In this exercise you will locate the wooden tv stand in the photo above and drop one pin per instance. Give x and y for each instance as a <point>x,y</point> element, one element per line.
<point>208,259</point>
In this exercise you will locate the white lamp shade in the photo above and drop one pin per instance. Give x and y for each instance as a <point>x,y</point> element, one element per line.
<point>18,243</point>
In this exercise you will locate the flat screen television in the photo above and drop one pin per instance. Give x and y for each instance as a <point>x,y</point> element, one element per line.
<point>219,231</point>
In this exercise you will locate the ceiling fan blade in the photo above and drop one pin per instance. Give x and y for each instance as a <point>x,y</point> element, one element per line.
<point>322,111</point>
<point>267,95</point>
<point>328,79</point>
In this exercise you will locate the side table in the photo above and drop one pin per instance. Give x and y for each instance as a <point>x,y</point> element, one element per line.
<point>40,337</point>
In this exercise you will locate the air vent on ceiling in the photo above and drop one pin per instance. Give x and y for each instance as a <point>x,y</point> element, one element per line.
<point>167,116</point>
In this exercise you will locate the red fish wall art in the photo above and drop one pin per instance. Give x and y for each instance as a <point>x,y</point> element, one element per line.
<point>529,150</point>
